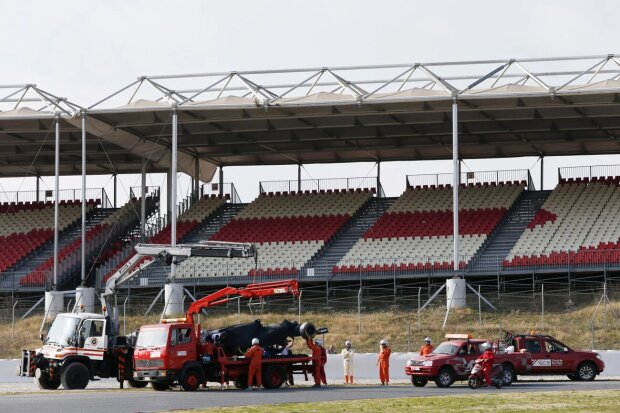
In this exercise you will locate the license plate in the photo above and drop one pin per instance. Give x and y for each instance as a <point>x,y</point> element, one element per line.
<point>417,368</point>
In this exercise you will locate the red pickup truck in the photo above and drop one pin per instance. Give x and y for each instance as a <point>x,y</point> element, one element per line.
<point>531,355</point>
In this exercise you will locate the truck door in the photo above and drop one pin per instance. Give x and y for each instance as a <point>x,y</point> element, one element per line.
<point>92,338</point>
<point>561,361</point>
<point>541,362</point>
<point>182,347</point>
<point>469,352</point>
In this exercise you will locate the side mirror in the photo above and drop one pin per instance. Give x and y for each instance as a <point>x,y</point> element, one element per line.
<point>41,337</point>
<point>565,349</point>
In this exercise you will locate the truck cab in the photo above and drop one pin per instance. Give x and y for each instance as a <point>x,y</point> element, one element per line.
<point>73,352</point>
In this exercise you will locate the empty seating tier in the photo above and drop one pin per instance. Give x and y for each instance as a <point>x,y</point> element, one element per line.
<point>416,233</point>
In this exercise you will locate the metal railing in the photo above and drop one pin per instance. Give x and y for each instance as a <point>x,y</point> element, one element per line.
<point>227,189</point>
<point>593,171</point>
<point>473,177</point>
<point>47,195</point>
<point>135,192</point>
<point>318,185</point>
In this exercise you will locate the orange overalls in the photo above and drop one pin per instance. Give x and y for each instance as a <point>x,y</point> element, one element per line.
<point>488,358</point>
<point>255,354</point>
<point>426,349</point>
<point>316,360</point>
<point>384,364</point>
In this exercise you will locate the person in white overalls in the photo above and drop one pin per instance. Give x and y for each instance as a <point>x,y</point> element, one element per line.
<point>347,362</point>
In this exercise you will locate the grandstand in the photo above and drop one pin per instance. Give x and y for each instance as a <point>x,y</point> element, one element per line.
<point>327,232</point>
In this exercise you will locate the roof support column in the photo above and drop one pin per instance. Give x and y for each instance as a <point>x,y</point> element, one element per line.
<point>38,189</point>
<point>56,200</point>
<point>456,174</point>
<point>221,179</point>
<point>143,202</point>
<point>114,194</point>
<point>173,186</point>
<point>298,177</point>
<point>378,179</point>
<point>83,256</point>
<point>542,172</point>
<point>196,178</point>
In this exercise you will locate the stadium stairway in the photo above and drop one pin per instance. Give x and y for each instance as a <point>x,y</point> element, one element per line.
<point>498,245</point>
<point>213,224</point>
<point>330,254</point>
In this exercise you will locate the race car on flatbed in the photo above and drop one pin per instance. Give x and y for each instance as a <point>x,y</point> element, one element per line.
<point>523,354</point>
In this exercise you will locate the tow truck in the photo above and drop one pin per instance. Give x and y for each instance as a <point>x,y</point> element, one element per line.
<point>522,354</point>
<point>175,352</point>
<point>80,347</point>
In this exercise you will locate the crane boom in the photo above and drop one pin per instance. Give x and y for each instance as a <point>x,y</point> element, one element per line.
<point>250,291</point>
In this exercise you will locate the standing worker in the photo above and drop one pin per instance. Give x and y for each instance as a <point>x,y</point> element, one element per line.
<point>383,361</point>
<point>255,354</point>
<point>316,361</point>
<point>347,362</point>
<point>323,362</point>
<point>488,358</point>
<point>427,348</point>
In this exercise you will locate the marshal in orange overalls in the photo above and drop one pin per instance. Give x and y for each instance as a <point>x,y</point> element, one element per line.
<point>316,361</point>
<point>384,364</point>
<point>255,354</point>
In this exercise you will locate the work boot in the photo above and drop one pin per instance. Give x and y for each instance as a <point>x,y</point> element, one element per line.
<point>350,379</point>
<point>317,386</point>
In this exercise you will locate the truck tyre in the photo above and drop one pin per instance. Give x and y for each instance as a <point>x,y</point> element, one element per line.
<point>418,381</point>
<point>45,383</point>
<point>135,384</point>
<point>160,385</point>
<point>508,374</point>
<point>445,378</point>
<point>241,382</point>
<point>586,371</point>
<point>75,376</point>
<point>191,380</point>
<point>274,377</point>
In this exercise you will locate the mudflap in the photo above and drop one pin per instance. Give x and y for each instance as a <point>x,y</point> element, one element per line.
<point>124,366</point>
<point>28,364</point>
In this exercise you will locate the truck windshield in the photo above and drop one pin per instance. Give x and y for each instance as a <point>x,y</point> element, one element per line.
<point>62,330</point>
<point>446,348</point>
<point>152,337</point>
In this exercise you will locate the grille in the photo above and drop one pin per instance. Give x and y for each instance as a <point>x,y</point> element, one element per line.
<point>149,363</point>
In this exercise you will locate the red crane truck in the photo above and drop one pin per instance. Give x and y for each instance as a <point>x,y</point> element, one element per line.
<point>173,351</point>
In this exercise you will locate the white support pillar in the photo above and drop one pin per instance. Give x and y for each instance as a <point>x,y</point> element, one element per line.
<point>456,172</point>
<point>143,203</point>
<point>173,186</point>
<point>56,200</point>
<point>197,178</point>
<point>83,256</point>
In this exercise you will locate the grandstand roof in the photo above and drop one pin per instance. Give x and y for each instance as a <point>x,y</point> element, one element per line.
<point>507,108</point>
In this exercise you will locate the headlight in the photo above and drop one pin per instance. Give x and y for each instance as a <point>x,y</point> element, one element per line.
<point>427,363</point>
<point>598,356</point>
<point>410,363</point>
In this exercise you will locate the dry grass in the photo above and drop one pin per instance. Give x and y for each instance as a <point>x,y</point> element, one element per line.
<point>565,402</point>
<point>571,327</point>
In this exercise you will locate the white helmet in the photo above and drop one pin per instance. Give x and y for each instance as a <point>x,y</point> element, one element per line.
<point>318,342</point>
<point>347,343</point>
<point>485,346</point>
<point>383,342</point>
<point>428,339</point>
<point>255,341</point>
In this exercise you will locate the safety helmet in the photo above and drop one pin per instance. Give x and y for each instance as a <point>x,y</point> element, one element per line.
<point>485,346</point>
<point>319,342</point>
<point>383,342</point>
<point>428,339</point>
<point>347,343</point>
<point>255,341</point>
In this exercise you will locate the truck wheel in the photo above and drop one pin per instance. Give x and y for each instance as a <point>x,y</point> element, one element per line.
<point>508,374</point>
<point>160,385</point>
<point>44,382</point>
<point>241,382</point>
<point>135,384</point>
<point>75,376</point>
<point>191,380</point>
<point>274,377</point>
<point>445,378</point>
<point>586,371</point>
<point>418,382</point>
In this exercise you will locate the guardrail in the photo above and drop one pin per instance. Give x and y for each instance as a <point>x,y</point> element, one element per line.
<point>593,171</point>
<point>473,177</point>
<point>47,195</point>
<point>227,190</point>
<point>319,185</point>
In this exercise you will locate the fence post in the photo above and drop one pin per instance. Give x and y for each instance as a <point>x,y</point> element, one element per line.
<point>13,320</point>
<point>409,337</point>
<point>299,307</point>
<point>479,309</point>
<point>542,299</point>
<point>419,320</point>
<point>359,311</point>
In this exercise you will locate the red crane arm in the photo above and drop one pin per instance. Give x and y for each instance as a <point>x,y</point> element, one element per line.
<point>251,291</point>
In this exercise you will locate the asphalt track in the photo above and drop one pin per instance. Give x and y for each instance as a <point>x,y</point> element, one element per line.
<point>147,400</point>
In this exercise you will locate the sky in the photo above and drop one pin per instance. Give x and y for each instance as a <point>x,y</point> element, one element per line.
<point>85,50</point>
